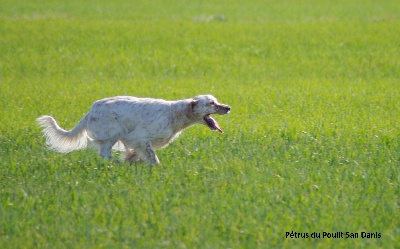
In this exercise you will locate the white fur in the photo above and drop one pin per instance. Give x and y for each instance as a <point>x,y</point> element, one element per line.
<point>141,125</point>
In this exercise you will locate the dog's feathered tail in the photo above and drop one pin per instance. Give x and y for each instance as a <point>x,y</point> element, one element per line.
<point>61,140</point>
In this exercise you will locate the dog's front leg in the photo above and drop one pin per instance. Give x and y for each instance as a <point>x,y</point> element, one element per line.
<point>149,153</point>
<point>132,156</point>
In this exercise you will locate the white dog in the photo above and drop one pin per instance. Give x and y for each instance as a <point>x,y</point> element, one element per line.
<point>142,125</point>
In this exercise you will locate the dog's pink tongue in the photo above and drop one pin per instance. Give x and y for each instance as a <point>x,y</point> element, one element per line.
<point>215,125</point>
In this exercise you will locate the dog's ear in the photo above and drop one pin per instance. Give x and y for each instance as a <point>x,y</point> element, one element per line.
<point>193,103</point>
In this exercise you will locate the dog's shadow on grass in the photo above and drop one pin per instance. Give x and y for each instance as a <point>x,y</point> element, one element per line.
<point>118,168</point>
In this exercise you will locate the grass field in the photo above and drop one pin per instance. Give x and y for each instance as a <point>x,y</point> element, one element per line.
<point>312,143</point>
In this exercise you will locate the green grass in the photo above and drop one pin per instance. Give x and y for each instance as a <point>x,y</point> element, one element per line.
<point>312,143</point>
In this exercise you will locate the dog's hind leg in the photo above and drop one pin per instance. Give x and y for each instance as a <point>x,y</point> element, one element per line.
<point>106,148</point>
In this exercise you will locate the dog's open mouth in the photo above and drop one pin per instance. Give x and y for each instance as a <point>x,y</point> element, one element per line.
<point>211,123</point>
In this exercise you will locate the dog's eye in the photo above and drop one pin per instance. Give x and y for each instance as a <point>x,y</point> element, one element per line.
<point>212,103</point>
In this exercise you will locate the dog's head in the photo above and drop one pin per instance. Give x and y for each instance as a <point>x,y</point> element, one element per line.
<point>205,105</point>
